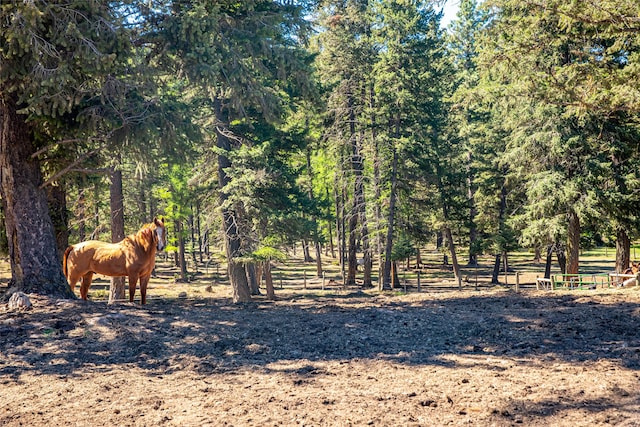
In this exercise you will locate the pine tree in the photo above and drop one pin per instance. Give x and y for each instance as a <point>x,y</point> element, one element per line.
<point>565,65</point>
<point>54,57</point>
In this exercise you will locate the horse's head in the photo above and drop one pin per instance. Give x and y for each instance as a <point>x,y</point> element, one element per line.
<point>161,233</point>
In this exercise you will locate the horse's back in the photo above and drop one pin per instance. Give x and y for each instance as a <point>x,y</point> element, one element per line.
<point>98,257</point>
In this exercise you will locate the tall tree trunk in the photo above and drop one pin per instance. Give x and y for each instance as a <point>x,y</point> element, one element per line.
<point>495,275</point>
<point>360,204</point>
<point>316,231</point>
<point>331,244</point>
<point>268,281</point>
<point>4,244</point>
<point>377,192</point>
<point>231,234</point>
<point>352,264</point>
<point>505,257</point>
<point>386,271</point>
<point>33,255</point>
<point>116,198</point>
<point>623,250</point>
<point>366,254</point>
<point>305,251</point>
<point>547,265</point>
<point>57,198</point>
<point>182,259</point>
<point>562,257</point>
<point>395,280</point>
<point>199,230</point>
<point>537,257</point>
<point>471,195</point>
<point>192,229</point>
<point>501,215</point>
<point>454,257</point>
<point>353,216</point>
<point>449,236</point>
<point>252,279</point>
<point>573,243</point>
<point>343,237</point>
<point>339,223</point>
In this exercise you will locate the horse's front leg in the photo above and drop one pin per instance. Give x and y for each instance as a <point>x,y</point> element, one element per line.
<point>86,283</point>
<point>133,280</point>
<point>144,281</point>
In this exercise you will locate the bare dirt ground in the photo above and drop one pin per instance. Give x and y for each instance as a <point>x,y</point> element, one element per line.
<point>326,358</point>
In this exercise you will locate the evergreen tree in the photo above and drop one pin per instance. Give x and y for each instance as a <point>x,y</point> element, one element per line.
<point>410,86</point>
<point>244,55</point>
<point>564,64</point>
<point>54,57</point>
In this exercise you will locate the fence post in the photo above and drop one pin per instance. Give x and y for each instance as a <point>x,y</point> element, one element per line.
<point>323,277</point>
<point>517,281</point>
<point>419,281</point>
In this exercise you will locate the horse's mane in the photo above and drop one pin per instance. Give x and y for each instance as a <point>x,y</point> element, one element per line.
<point>143,237</point>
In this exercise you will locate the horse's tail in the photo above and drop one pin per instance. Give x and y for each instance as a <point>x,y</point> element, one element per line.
<point>64,261</point>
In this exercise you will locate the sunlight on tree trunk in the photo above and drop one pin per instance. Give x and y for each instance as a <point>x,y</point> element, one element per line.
<point>116,288</point>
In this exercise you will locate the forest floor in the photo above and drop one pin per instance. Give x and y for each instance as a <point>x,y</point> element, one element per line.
<point>333,357</point>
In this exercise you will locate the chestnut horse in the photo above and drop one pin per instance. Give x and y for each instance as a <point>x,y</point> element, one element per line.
<point>134,257</point>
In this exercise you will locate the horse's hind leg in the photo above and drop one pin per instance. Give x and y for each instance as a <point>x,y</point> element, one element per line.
<point>73,279</point>
<point>84,287</point>
<point>133,280</point>
<point>144,281</point>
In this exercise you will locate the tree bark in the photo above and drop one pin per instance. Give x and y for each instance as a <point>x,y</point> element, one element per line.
<point>547,265</point>
<point>471,194</point>
<point>352,258</point>
<point>377,192</point>
<point>573,243</point>
<point>199,230</point>
<point>116,199</point>
<point>339,232</point>
<point>386,271</point>
<point>353,216</point>
<point>182,259</point>
<point>231,233</point>
<point>57,198</point>
<point>449,236</point>
<point>331,244</point>
<point>495,275</point>
<point>252,279</point>
<point>316,232</point>
<point>192,229</point>
<point>623,250</point>
<point>361,206</point>
<point>454,257</point>
<point>33,255</point>
<point>305,251</point>
<point>268,281</point>
<point>562,257</point>
<point>395,280</point>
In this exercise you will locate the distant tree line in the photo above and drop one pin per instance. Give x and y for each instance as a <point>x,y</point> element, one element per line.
<point>360,129</point>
